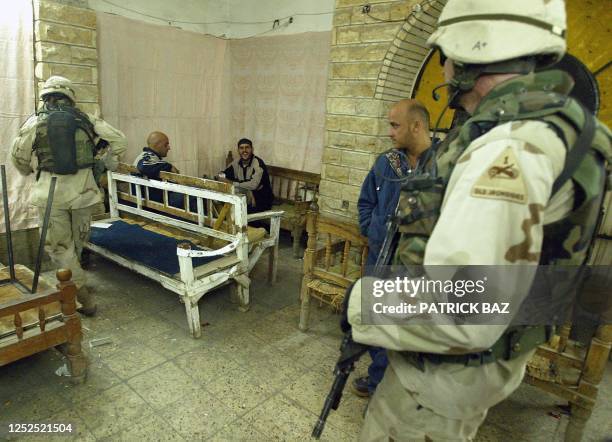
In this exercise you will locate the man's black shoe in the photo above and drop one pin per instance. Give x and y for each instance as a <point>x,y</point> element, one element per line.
<point>360,386</point>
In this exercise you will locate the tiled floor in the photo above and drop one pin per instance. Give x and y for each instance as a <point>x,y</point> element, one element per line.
<point>252,376</point>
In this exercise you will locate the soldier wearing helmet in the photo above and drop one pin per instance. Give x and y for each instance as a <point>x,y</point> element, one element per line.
<point>520,183</point>
<point>73,146</point>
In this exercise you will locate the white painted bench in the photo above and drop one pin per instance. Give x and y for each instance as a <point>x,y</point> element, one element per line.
<point>217,230</point>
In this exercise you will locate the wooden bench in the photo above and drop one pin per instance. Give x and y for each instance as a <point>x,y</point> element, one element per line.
<point>31,323</point>
<point>293,190</point>
<point>204,247</point>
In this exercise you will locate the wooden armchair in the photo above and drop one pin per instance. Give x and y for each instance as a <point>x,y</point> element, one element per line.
<point>573,371</point>
<point>30,323</point>
<point>294,191</point>
<point>335,257</point>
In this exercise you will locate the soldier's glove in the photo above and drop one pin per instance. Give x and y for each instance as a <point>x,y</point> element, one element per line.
<point>345,326</point>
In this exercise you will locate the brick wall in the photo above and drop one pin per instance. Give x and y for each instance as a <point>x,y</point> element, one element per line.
<point>356,125</point>
<point>65,44</point>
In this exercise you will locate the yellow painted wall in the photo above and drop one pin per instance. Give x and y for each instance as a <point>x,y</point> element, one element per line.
<point>588,38</point>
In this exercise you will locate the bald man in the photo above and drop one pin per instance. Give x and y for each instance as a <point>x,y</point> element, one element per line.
<point>151,162</point>
<point>409,131</point>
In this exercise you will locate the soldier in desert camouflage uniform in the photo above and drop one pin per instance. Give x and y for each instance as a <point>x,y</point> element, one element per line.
<point>69,154</point>
<point>521,182</point>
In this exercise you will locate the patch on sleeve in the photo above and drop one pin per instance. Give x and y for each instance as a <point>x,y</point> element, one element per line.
<point>502,180</point>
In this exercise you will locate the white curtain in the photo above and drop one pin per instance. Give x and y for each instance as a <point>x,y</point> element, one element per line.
<point>160,78</point>
<point>16,104</point>
<point>278,97</point>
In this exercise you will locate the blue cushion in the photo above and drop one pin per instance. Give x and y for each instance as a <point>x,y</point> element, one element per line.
<point>152,249</point>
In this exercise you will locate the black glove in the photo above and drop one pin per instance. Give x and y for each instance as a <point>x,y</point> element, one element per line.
<point>344,323</point>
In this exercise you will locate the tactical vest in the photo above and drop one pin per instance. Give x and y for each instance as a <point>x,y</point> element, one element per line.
<point>64,140</point>
<point>566,242</point>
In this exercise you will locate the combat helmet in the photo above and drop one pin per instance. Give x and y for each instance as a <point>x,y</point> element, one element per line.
<point>494,37</point>
<point>58,85</point>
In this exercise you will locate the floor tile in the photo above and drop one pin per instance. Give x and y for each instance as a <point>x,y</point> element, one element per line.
<point>239,430</point>
<point>112,410</point>
<point>133,359</point>
<point>162,385</point>
<point>241,389</point>
<point>150,428</point>
<point>197,416</point>
<point>281,419</point>
<point>205,365</point>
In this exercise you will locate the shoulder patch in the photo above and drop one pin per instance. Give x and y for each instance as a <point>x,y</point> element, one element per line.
<point>502,180</point>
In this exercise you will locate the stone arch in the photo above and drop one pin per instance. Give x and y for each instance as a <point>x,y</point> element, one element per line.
<point>408,53</point>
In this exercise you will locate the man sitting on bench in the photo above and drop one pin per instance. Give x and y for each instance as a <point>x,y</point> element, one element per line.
<point>151,162</point>
<point>250,174</point>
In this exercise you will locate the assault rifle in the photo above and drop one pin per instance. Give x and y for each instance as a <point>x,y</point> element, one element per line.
<point>350,352</point>
<point>387,250</point>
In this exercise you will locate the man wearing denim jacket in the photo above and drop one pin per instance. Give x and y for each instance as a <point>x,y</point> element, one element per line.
<point>409,130</point>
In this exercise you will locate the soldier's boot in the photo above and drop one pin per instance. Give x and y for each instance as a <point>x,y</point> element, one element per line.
<point>88,302</point>
<point>85,259</point>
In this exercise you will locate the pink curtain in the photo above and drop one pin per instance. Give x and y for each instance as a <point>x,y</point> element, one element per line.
<point>161,78</point>
<point>278,97</point>
<point>206,93</point>
<point>17,103</point>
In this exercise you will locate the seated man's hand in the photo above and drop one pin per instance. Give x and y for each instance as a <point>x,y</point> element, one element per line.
<point>221,177</point>
<point>174,170</point>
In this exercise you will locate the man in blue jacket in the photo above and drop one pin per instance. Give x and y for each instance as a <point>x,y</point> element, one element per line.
<point>409,130</point>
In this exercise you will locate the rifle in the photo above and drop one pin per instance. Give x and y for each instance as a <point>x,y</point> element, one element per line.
<point>387,250</point>
<point>389,243</point>
<point>350,352</point>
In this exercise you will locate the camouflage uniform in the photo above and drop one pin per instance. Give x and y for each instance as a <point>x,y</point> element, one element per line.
<point>75,195</point>
<point>493,206</point>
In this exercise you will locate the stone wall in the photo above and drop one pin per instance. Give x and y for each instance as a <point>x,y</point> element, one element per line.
<point>65,44</point>
<point>356,125</point>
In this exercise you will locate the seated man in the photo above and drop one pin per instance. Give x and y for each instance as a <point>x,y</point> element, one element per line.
<point>250,174</point>
<point>151,162</point>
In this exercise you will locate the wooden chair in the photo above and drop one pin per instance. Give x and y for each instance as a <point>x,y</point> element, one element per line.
<point>294,191</point>
<point>573,371</point>
<point>335,257</point>
<point>31,323</point>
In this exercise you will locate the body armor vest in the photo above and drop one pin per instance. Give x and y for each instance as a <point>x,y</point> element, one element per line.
<point>64,140</point>
<point>540,97</point>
